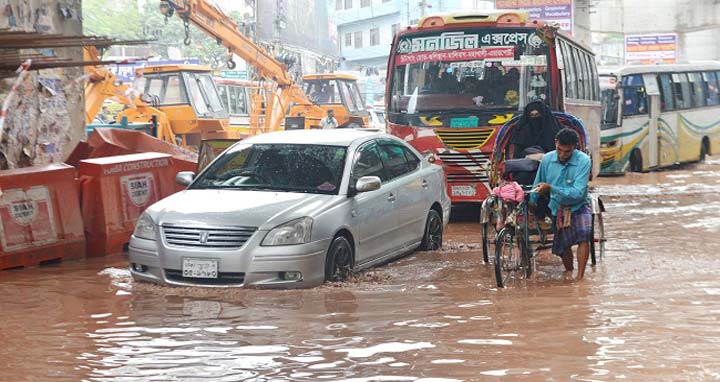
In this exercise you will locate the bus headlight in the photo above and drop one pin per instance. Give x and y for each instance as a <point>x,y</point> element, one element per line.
<point>608,144</point>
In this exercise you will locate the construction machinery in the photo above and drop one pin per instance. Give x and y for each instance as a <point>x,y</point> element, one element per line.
<point>269,114</point>
<point>180,100</point>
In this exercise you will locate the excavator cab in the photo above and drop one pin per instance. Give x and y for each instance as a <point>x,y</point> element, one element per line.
<point>340,93</point>
<point>189,98</point>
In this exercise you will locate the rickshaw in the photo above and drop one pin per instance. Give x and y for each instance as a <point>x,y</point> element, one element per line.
<point>518,234</point>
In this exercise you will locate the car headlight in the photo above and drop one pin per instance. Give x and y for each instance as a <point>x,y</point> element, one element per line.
<point>293,232</point>
<point>145,227</point>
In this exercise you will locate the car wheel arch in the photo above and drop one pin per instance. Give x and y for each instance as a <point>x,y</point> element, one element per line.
<point>437,207</point>
<point>349,236</point>
<point>331,271</point>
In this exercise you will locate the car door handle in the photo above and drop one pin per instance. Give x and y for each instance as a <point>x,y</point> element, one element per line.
<point>391,198</point>
<point>425,183</point>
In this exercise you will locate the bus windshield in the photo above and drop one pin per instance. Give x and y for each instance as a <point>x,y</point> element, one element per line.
<point>484,68</point>
<point>609,99</point>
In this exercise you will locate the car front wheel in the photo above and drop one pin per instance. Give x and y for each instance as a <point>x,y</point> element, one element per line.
<point>432,239</point>
<point>338,262</point>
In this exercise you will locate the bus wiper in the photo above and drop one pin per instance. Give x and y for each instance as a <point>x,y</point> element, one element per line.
<point>461,110</point>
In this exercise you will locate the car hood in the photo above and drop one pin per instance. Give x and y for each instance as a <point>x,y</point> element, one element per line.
<point>262,209</point>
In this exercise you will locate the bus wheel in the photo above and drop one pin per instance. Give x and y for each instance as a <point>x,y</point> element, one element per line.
<point>353,125</point>
<point>636,161</point>
<point>704,149</point>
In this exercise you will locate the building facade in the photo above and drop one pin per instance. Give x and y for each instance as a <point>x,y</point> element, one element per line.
<point>365,28</point>
<point>45,115</point>
<point>281,27</point>
<point>695,22</point>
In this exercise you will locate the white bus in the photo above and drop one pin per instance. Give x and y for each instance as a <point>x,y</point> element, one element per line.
<point>235,96</point>
<point>656,116</point>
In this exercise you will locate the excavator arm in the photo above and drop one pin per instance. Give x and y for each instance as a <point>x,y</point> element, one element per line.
<point>211,20</point>
<point>102,84</point>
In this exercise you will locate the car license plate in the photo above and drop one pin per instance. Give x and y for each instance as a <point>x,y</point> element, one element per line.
<point>200,268</point>
<point>464,190</point>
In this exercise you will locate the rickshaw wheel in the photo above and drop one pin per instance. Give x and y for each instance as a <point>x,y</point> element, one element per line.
<point>485,242</point>
<point>597,244</point>
<point>508,254</point>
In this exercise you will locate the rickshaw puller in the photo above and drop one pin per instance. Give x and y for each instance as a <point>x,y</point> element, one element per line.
<point>563,176</point>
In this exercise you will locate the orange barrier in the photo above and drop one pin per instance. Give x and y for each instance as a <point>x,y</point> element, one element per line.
<point>106,142</point>
<point>40,217</point>
<point>115,191</point>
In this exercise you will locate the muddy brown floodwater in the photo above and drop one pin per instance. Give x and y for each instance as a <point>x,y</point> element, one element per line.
<point>649,311</point>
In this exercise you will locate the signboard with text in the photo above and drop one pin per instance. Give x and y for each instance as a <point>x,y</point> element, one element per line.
<point>234,74</point>
<point>126,72</point>
<point>559,11</point>
<point>651,49</point>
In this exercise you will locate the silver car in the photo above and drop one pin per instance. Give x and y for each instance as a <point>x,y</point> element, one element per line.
<point>293,209</point>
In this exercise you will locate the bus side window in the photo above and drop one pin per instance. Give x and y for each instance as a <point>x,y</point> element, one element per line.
<point>682,91</point>
<point>596,79</point>
<point>570,79</point>
<point>223,93</point>
<point>697,89</point>
<point>711,88</point>
<point>237,97</point>
<point>634,97</point>
<point>667,102</point>
<point>580,74</point>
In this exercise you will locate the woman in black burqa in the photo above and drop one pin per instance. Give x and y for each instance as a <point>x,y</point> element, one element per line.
<point>535,131</point>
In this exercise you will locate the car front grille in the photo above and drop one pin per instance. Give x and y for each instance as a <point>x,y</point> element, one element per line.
<point>464,139</point>
<point>475,165</point>
<point>224,278</point>
<point>226,237</point>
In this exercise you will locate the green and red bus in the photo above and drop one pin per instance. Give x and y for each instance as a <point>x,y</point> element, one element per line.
<point>455,79</point>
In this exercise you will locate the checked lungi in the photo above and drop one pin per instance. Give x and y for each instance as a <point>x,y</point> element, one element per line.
<point>580,230</point>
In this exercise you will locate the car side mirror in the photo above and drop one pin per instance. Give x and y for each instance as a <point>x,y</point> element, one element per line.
<point>367,184</point>
<point>184,178</point>
<point>429,156</point>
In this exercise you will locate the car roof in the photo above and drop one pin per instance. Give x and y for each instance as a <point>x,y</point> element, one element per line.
<point>330,137</point>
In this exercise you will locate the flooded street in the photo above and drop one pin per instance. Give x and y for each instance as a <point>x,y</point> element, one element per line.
<point>649,311</point>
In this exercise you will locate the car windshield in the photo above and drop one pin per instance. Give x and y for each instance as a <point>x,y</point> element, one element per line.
<point>471,69</point>
<point>276,167</point>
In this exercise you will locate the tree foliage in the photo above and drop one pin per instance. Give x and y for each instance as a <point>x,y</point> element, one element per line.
<point>124,20</point>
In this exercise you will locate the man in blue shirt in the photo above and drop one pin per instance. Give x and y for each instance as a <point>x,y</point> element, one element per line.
<point>563,177</point>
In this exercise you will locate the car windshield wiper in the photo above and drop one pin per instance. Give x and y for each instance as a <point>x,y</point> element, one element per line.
<point>206,187</point>
<point>252,188</point>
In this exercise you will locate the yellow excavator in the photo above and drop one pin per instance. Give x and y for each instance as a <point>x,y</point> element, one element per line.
<point>180,100</point>
<point>328,91</point>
